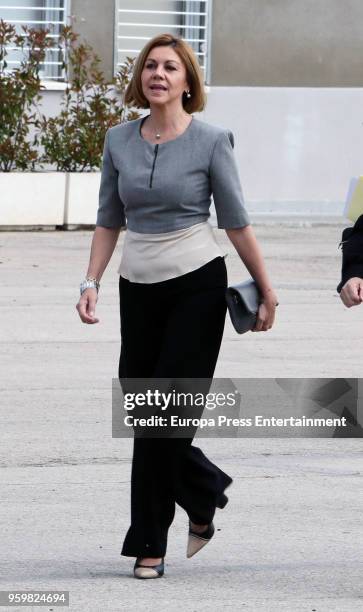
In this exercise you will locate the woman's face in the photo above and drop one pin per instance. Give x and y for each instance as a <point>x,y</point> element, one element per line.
<point>163,67</point>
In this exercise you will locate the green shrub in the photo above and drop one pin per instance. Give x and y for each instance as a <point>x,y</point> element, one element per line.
<point>19,92</point>
<point>73,140</point>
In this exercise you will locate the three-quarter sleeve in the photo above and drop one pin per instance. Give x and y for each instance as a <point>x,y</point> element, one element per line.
<point>226,186</point>
<point>111,211</point>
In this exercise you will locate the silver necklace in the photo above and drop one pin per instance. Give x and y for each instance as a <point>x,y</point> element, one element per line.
<point>157,135</point>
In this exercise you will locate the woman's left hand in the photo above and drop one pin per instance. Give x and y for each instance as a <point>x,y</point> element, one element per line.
<point>266,313</point>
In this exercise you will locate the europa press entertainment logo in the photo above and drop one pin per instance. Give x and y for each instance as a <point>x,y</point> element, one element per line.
<point>237,407</point>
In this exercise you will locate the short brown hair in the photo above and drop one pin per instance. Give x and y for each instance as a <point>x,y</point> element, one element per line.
<point>134,95</point>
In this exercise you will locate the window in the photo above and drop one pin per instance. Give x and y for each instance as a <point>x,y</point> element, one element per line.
<point>136,23</point>
<point>40,14</point>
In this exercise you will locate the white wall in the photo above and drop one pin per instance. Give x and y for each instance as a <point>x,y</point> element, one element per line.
<point>296,147</point>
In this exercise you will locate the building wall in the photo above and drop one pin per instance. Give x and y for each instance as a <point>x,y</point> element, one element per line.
<point>278,43</point>
<point>97,27</point>
<point>145,31</point>
<point>293,43</point>
<point>298,138</point>
<point>296,148</point>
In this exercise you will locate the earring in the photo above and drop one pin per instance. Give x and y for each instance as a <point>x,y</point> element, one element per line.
<point>189,95</point>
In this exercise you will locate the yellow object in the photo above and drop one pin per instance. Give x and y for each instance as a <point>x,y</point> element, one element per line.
<point>354,202</point>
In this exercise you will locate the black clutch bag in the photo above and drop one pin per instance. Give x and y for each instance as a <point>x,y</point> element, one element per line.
<point>243,301</point>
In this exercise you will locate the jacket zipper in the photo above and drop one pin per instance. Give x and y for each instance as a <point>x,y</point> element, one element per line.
<point>152,169</point>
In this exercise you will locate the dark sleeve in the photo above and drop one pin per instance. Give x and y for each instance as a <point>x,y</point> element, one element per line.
<point>111,211</point>
<point>352,250</point>
<point>225,184</point>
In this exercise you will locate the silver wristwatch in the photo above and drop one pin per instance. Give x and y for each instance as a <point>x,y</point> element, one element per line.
<point>89,283</point>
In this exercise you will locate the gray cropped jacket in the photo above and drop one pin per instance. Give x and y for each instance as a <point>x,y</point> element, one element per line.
<point>156,188</point>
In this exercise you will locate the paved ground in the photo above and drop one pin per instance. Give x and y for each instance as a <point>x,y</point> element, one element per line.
<point>290,538</point>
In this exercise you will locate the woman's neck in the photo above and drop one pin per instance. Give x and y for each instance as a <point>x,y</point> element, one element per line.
<point>167,120</point>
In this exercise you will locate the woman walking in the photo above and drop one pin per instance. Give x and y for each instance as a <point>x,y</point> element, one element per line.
<point>158,175</point>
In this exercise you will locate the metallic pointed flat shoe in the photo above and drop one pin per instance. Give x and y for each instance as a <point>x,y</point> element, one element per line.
<point>196,541</point>
<point>148,571</point>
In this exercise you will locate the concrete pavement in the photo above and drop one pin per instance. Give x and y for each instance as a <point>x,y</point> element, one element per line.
<point>290,537</point>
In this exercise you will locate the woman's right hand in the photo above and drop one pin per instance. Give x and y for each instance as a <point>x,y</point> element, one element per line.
<point>87,305</point>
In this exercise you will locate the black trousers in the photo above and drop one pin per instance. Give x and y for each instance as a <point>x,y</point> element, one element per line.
<point>172,328</point>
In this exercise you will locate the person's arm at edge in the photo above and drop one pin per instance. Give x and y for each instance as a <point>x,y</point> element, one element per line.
<point>350,287</point>
<point>351,292</point>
